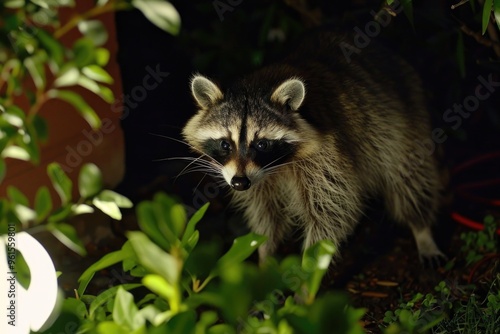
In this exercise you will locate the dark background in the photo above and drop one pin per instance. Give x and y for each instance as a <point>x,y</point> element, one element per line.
<point>226,44</point>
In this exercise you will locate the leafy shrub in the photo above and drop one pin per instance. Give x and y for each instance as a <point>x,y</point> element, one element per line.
<point>194,290</point>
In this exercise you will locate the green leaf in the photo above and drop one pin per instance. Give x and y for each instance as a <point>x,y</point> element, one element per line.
<point>51,45</point>
<point>84,52</point>
<point>184,322</point>
<point>37,71</point>
<point>487,7</point>
<point>108,207</point>
<point>193,221</point>
<point>24,214</point>
<point>102,91</point>
<point>60,214</point>
<point>120,200</point>
<point>159,286</point>
<point>76,306</point>
<point>80,105</point>
<point>109,202</point>
<point>81,209</point>
<point>41,128</point>
<point>169,216</point>
<point>102,56</point>
<point>161,13</point>
<point>129,264</point>
<point>68,76</point>
<point>21,206</point>
<point>496,12</point>
<point>14,116</point>
<point>60,181</point>
<point>107,295</point>
<point>66,3</point>
<point>148,222</point>
<point>71,317</point>
<point>23,273</point>
<point>190,244</point>
<point>89,180</point>
<point>43,203</point>
<point>110,327</point>
<point>408,10</point>
<point>14,3</point>
<point>221,329</point>
<point>315,261</point>
<point>44,4</point>
<point>207,318</point>
<point>241,249</point>
<point>97,73</point>
<point>320,315</point>
<point>150,312</point>
<point>94,30</point>
<point>106,261</point>
<point>153,258</point>
<point>16,196</point>
<point>125,312</point>
<point>29,143</point>
<point>67,235</point>
<point>178,219</point>
<point>106,94</point>
<point>16,152</point>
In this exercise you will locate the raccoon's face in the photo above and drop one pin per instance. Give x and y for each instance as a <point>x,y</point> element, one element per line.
<point>247,133</point>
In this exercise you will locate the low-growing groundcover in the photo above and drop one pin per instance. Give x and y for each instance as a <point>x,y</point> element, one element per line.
<point>460,297</point>
<point>454,307</point>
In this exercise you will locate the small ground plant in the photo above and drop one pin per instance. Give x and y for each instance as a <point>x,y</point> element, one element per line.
<point>478,243</point>
<point>455,308</point>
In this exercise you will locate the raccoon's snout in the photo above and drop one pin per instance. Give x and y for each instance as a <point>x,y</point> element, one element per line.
<point>240,183</point>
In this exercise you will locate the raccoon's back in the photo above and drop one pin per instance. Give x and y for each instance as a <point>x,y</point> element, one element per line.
<point>369,104</point>
<point>361,83</point>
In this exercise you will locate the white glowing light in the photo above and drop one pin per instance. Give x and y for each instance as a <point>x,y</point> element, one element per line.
<point>34,307</point>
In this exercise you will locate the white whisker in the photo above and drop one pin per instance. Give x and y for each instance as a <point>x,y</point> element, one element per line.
<point>174,139</point>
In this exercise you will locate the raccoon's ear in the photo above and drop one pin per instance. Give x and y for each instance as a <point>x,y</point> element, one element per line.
<point>205,92</point>
<point>290,93</point>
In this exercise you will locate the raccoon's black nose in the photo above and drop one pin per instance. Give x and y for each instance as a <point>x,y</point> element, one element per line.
<point>240,183</point>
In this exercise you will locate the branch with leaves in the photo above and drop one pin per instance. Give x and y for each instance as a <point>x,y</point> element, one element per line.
<point>35,67</point>
<point>31,50</point>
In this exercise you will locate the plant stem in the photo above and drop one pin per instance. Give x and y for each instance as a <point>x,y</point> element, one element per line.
<point>41,98</point>
<point>37,229</point>
<point>203,285</point>
<point>96,11</point>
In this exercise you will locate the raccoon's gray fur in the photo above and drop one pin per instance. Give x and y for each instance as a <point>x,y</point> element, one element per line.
<point>305,141</point>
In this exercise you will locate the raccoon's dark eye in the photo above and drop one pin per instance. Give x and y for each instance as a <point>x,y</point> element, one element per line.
<point>263,145</point>
<point>224,144</point>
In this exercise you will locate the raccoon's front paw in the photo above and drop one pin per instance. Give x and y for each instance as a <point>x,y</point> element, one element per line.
<point>428,251</point>
<point>432,258</point>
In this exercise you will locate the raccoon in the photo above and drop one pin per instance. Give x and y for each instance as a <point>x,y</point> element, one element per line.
<point>304,142</point>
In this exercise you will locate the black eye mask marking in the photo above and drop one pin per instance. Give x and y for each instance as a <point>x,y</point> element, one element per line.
<point>219,149</point>
<point>268,153</point>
